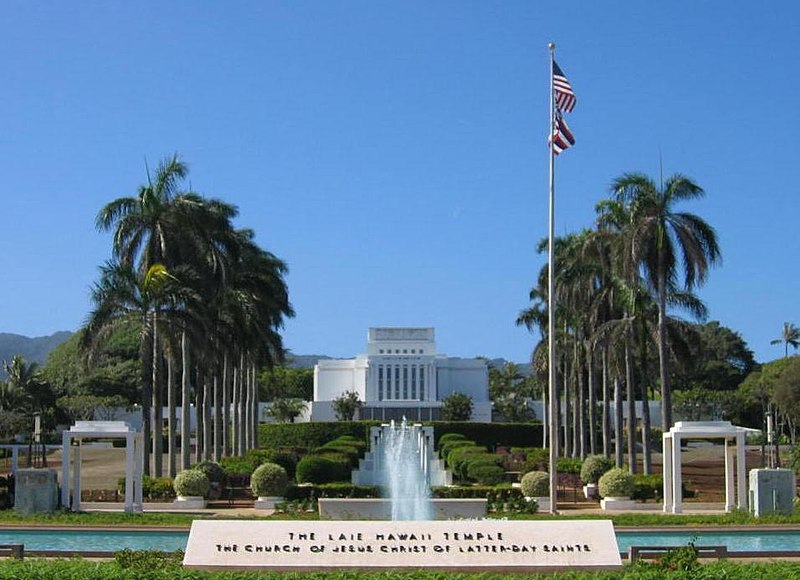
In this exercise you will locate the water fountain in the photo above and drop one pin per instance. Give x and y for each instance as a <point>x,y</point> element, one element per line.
<point>405,469</point>
<point>403,463</point>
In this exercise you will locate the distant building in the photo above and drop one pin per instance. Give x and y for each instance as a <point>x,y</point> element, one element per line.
<point>401,374</point>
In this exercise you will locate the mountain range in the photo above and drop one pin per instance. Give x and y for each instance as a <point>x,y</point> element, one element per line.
<point>37,349</point>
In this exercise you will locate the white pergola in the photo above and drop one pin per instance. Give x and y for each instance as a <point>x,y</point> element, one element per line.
<point>71,441</point>
<point>734,456</point>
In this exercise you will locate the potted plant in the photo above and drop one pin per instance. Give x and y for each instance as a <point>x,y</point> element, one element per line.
<point>616,487</point>
<point>192,488</point>
<point>535,485</point>
<point>268,483</point>
<point>592,469</point>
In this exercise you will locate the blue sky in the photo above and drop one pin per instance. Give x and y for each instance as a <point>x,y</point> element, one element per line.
<point>393,153</point>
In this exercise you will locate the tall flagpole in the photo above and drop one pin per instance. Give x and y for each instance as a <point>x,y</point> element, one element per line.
<point>551,304</point>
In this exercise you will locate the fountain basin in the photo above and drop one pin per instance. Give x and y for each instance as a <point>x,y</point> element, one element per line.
<point>381,509</point>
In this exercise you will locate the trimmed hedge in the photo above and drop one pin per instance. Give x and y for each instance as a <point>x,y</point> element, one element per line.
<point>492,434</point>
<point>272,435</point>
<point>311,435</point>
<point>303,492</point>
<point>322,469</point>
<point>485,473</point>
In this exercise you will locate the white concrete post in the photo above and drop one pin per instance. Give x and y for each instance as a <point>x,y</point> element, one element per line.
<point>677,482</point>
<point>741,479</point>
<point>666,453</point>
<point>730,452</point>
<point>129,472</point>
<point>65,458</point>
<point>76,479</point>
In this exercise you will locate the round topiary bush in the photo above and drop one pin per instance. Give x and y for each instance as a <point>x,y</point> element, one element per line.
<point>593,467</point>
<point>191,482</point>
<point>616,482</point>
<point>536,484</point>
<point>269,480</point>
<point>213,470</point>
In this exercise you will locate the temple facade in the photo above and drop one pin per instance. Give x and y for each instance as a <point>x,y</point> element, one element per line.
<point>401,374</point>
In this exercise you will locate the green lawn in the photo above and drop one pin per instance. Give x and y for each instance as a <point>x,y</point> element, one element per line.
<point>148,569</point>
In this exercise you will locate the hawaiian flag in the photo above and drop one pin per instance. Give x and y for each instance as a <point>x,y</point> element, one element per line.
<point>562,137</point>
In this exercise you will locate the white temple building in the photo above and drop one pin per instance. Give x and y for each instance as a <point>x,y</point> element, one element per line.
<point>401,374</point>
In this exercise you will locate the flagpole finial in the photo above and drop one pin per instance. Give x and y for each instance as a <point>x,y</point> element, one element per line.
<point>551,46</point>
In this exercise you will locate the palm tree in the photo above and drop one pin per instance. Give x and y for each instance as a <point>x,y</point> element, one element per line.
<point>789,336</point>
<point>659,240</point>
<point>120,294</point>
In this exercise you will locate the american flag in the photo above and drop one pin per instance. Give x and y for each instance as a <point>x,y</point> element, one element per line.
<point>562,137</point>
<point>565,97</point>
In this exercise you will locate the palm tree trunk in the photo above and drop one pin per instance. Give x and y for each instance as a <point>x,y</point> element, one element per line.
<point>158,404</point>
<point>631,411</point>
<point>567,430</point>
<point>646,459</point>
<point>592,400</point>
<point>217,416</point>
<point>237,379</point>
<point>240,404</point>
<point>207,424</point>
<point>171,406</point>
<point>247,409</point>
<point>186,432</point>
<point>606,426</point>
<point>618,444</point>
<point>254,383</point>
<point>146,354</point>
<point>226,406</point>
<point>666,394</point>
<point>199,434</point>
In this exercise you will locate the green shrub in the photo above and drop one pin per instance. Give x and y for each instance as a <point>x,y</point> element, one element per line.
<point>593,467</point>
<point>535,484</point>
<point>336,489</point>
<point>493,434</point>
<point>450,437</point>
<point>647,486</point>
<point>616,482</point>
<point>486,473</point>
<point>213,470</point>
<point>536,458</point>
<point>351,453</point>
<point>448,446</point>
<point>153,488</point>
<point>191,482</point>
<point>269,480</point>
<point>311,435</point>
<point>458,458</point>
<point>237,464</point>
<point>319,469</point>
<point>569,465</point>
<point>147,561</point>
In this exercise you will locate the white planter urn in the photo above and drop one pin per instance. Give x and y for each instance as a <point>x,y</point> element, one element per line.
<point>267,502</point>
<point>590,491</point>
<point>190,502</point>
<point>617,503</point>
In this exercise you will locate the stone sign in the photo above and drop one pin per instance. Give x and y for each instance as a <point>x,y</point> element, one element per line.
<point>479,545</point>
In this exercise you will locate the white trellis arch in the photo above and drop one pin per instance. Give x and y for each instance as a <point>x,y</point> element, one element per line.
<point>106,430</point>
<point>734,456</point>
